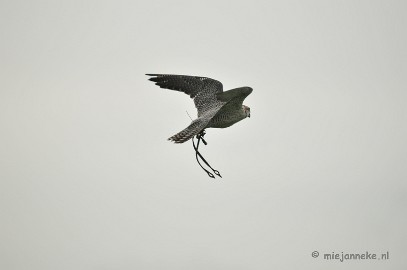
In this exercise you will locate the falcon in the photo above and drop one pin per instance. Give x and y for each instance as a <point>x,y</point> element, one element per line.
<point>216,109</point>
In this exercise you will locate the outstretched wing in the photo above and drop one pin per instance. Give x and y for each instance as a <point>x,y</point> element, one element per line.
<point>234,98</point>
<point>201,89</point>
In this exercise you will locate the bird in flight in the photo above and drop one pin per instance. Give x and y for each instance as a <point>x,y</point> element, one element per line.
<point>216,109</point>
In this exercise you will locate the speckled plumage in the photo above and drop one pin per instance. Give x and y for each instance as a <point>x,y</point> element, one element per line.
<point>216,109</point>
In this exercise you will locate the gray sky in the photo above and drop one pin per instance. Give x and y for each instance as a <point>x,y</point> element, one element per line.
<point>89,181</point>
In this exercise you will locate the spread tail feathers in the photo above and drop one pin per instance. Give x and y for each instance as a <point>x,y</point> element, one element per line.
<point>193,129</point>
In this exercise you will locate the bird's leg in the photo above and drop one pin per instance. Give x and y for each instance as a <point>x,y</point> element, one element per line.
<point>200,137</point>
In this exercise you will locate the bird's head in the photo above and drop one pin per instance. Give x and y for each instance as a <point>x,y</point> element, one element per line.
<point>246,110</point>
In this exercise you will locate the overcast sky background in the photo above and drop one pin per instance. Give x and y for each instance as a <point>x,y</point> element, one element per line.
<point>89,181</point>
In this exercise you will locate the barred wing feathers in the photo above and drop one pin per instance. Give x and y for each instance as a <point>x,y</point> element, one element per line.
<point>202,90</point>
